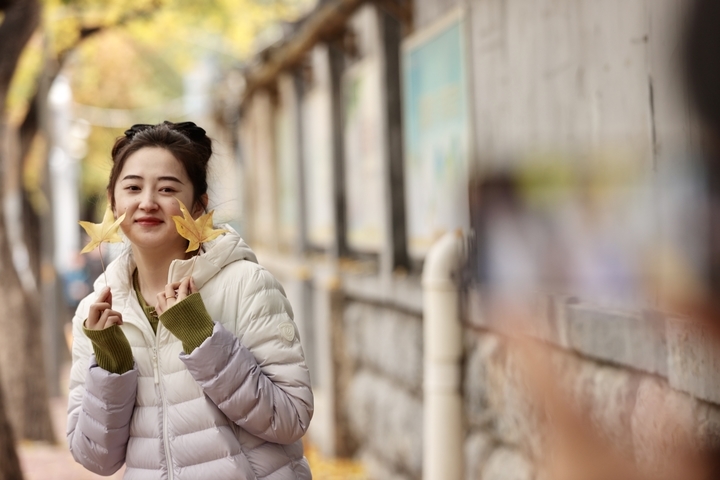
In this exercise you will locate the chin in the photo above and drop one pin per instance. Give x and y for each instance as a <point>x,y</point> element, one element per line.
<point>153,242</point>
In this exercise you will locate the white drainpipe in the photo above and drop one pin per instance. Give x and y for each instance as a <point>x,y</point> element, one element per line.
<point>442,402</point>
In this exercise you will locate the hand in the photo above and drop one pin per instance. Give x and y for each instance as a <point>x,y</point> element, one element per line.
<point>101,314</point>
<point>174,293</point>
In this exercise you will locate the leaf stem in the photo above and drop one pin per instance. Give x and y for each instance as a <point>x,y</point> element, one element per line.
<point>192,267</point>
<point>102,262</point>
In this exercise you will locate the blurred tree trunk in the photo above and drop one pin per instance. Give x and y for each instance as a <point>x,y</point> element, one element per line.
<point>21,358</point>
<point>22,368</point>
<point>9,464</point>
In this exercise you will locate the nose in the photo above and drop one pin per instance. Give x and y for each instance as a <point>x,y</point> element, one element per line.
<point>147,201</point>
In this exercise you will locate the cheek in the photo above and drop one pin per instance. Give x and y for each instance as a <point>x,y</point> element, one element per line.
<point>128,218</point>
<point>173,207</point>
<point>123,206</point>
<point>120,207</point>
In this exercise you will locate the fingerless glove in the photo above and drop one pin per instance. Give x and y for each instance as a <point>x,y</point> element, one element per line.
<point>112,349</point>
<point>189,321</point>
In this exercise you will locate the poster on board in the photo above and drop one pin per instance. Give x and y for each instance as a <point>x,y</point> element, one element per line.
<point>364,140</point>
<point>436,126</point>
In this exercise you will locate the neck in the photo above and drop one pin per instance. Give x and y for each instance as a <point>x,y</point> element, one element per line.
<point>153,270</point>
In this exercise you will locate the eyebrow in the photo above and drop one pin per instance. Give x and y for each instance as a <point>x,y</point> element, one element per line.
<point>168,177</point>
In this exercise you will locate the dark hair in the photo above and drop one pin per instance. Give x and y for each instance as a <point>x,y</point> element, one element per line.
<point>186,141</point>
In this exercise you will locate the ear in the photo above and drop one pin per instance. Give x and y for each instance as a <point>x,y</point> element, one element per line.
<point>200,205</point>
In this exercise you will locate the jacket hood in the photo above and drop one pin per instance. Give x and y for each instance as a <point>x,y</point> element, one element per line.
<point>214,255</point>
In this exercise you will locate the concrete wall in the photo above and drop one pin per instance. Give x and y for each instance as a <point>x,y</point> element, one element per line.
<point>382,332</point>
<point>620,373</point>
<point>384,401</point>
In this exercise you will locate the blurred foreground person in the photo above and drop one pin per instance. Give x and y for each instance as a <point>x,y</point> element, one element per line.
<point>185,365</point>
<point>538,231</point>
<point>702,75</point>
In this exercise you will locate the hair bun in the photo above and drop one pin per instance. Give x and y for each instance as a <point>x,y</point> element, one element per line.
<point>137,128</point>
<point>190,130</point>
<point>195,134</point>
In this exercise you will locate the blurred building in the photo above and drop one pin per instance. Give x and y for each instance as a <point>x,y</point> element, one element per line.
<point>555,135</point>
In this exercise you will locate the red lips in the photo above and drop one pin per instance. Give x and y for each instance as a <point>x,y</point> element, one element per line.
<point>148,221</point>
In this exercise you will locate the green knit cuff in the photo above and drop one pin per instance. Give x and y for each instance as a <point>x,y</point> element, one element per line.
<point>112,349</point>
<point>189,321</point>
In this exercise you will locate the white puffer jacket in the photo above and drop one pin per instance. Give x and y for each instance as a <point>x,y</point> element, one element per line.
<point>235,408</point>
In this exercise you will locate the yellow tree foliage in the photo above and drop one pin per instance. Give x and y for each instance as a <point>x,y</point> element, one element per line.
<point>170,35</point>
<point>132,55</point>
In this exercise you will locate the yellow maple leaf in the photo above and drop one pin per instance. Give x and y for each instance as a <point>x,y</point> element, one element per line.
<point>196,231</point>
<point>102,232</point>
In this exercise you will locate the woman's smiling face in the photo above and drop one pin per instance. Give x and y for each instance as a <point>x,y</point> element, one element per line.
<point>148,185</point>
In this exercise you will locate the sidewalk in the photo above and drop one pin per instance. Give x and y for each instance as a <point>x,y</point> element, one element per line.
<point>42,462</point>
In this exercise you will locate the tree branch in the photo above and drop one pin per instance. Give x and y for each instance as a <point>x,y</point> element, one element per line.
<point>21,19</point>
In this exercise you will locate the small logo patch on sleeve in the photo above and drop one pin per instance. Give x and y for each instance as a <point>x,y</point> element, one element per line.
<point>287,331</point>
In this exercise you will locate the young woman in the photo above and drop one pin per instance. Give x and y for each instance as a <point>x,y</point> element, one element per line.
<point>179,375</point>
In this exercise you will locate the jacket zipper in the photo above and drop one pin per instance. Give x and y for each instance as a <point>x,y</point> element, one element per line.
<point>144,326</point>
<point>168,458</point>
<point>155,366</point>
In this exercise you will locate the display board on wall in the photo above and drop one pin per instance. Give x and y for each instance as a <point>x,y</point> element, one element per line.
<point>364,139</point>
<point>436,121</point>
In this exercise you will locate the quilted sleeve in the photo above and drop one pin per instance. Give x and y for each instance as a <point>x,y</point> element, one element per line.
<point>100,405</point>
<point>258,378</point>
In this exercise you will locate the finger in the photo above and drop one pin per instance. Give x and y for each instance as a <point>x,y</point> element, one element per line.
<point>102,322</point>
<point>96,310</point>
<point>170,290</point>
<point>104,295</point>
<point>99,307</point>
<point>161,304</point>
<point>193,288</point>
<point>113,320</point>
<point>183,289</point>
